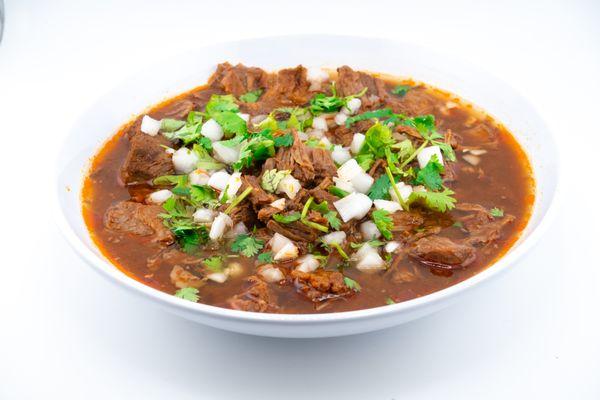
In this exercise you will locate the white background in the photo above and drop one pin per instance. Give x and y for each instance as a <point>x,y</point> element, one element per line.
<point>67,334</point>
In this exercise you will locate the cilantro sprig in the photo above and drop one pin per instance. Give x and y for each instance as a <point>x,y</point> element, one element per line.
<point>247,245</point>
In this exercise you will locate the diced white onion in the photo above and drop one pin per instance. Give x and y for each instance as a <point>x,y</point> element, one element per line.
<point>219,226</point>
<point>212,130</point>
<point>170,151</point>
<point>391,247</point>
<point>198,177</point>
<point>349,170</point>
<point>369,230</point>
<point>325,142</point>
<point>357,142</point>
<point>316,133</point>
<point>238,229</point>
<point>287,252</point>
<point>345,186</point>
<point>302,136</point>
<point>404,189</point>
<point>355,205</point>
<point>340,154</point>
<point>471,159</point>
<point>219,180</point>
<point>185,160</point>
<point>316,77</point>
<point>477,152</point>
<point>226,154</point>
<point>319,123</point>
<point>362,182</point>
<point>389,206</point>
<point>271,274</point>
<point>336,237</point>
<point>150,126</point>
<point>159,196</point>
<point>278,241</point>
<point>290,186</point>
<point>365,249</point>
<point>278,204</point>
<point>218,277</point>
<point>425,155</point>
<point>257,119</point>
<point>204,215</point>
<point>340,118</point>
<point>352,106</point>
<point>245,117</point>
<point>371,262</point>
<point>234,183</point>
<point>308,263</point>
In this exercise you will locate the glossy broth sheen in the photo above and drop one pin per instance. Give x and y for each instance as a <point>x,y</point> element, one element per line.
<point>505,182</point>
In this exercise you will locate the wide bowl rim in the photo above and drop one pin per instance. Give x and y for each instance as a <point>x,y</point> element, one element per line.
<point>111,272</point>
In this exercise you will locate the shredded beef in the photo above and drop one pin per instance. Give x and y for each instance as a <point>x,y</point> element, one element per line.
<point>146,159</point>
<point>322,163</point>
<point>296,158</point>
<point>238,80</point>
<point>295,231</point>
<point>171,256</point>
<point>488,232</point>
<point>256,297</point>
<point>351,82</point>
<point>406,221</point>
<point>243,212</point>
<point>320,285</point>
<point>441,252</point>
<point>288,87</point>
<point>258,196</point>
<point>138,219</point>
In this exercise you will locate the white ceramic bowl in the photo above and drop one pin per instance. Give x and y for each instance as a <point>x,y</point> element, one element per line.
<point>170,78</point>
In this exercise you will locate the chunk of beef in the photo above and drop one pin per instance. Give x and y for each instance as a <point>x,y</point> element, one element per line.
<point>474,216</point>
<point>243,212</point>
<point>182,278</point>
<point>171,256</point>
<point>138,219</point>
<point>296,231</point>
<point>176,110</point>
<point>288,87</point>
<point>296,158</point>
<point>441,252</point>
<point>321,285</point>
<point>258,196</point>
<point>322,163</point>
<point>238,79</point>
<point>146,159</point>
<point>406,221</point>
<point>488,232</point>
<point>351,82</point>
<point>256,297</point>
<point>266,213</point>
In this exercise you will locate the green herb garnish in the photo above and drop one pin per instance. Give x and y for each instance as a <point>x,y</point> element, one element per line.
<point>247,245</point>
<point>188,293</point>
<point>497,212</point>
<point>384,223</point>
<point>352,284</point>
<point>252,96</point>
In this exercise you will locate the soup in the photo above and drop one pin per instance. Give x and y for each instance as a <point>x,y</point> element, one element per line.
<point>307,191</point>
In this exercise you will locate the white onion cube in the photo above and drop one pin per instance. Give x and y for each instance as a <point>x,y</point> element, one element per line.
<point>204,215</point>
<point>355,205</point>
<point>389,206</point>
<point>226,154</point>
<point>150,126</point>
<point>404,189</point>
<point>352,106</point>
<point>288,252</point>
<point>290,186</point>
<point>336,237</point>
<point>357,142</point>
<point>159,196</point>
<point>425,155</point>
<point>221,223</point>
<point>212,130</point>
<point>362,182</point>
<point>369,230</point>
<point>184,160</point>
<point>308,263</point>
<point>219,180</point>
<point>198,177</point>
<point>278,241</point>
<point>349,170</point>
<point>340,154</point>
<point>320,123</point>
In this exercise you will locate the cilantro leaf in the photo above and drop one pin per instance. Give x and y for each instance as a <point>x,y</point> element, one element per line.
<point>400,90</point>
<point>321,103</point>
<point>271,179</point>
<point>202,196</point>
<point>231,123</point>
<point>377,139</point>
<point>332,217</point>
<point>247,245</point>
<point>171,125</point>
<point>287,218</point>
<point>352,284</point>
<point>436,201</point>
<point>168,180</point>
<point>284,141</point>
<point>381,188</point>
<point>252,96</point>
<point>221,103</point>
<point>265,258</point>
<point>188,293</point>
<point>430,175</point>
<point>389,301</point>
<point>384,223</point>
<point>259,147</point>
<point>215,263</point>
<point>497,212</point>
<point>382,113</point>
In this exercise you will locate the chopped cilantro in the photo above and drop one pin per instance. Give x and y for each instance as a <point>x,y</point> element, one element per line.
<point>430,175</point>
<point>384,223</point>
<point>259,147</point>
<point>287,218</point>
<point>352,284</point>
<point>372,243</point>
<point>265,258</point>
<point>336,191</point>
<point>389,301</point>
<point>436,201</point>
<point>231,122</point>
<point>247,245</point>
<point>168,180</point>
<point>377,138</point>
<point>382,113</point>
<point>284,140</point>
<point>188,293</point>
<point>271,179</point>
<point>458,224</point>
<point>381,188</point>
<point>205,161</point>
<point>252,96</point>
<point>221,103</point>
<point>215,263</point>
<point>202,196</point>
<point>321,103</point>
<point>400,90</point>
<point>171,125</point>
<point>497,212</point>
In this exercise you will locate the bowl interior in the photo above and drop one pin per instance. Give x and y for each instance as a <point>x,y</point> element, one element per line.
<point>170,78</point>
